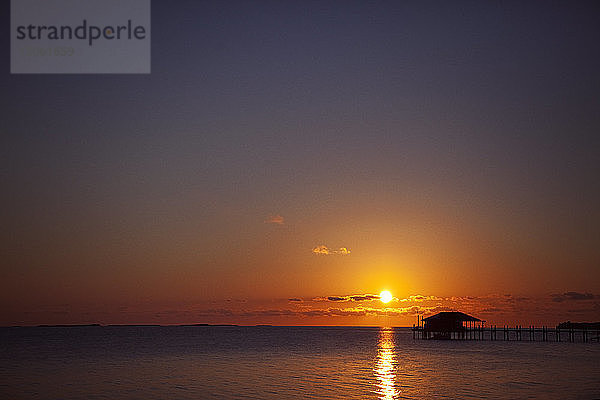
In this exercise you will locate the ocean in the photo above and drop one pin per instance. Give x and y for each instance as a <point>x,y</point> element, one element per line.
<point>263,362</point>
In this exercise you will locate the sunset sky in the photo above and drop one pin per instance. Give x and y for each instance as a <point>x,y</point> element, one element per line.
<point>285,162</point>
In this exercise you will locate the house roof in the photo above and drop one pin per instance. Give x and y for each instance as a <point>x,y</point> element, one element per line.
<point>451,315</point>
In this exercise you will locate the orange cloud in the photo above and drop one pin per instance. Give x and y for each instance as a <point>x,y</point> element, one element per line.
<point>274,219</point>
<point>420,297</point>
<point>326,251</point>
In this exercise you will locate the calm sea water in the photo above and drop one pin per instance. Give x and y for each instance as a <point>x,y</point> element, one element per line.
<point>285,363</point>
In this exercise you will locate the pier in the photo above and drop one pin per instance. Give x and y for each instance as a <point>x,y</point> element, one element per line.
<point>460,326</point>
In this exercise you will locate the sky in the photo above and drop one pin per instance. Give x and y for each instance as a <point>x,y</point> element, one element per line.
<point>285,162</point>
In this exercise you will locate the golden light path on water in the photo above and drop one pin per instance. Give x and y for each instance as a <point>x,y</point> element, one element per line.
<point>384,369</point>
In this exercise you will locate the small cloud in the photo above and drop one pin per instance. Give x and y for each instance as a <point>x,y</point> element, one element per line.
<point>559,298</point>
<point>274,219</point>
<point>437,309</point>
<point>420,297</point>
<point>364,297</point>
<point>295,299</point>
<point>322,249</point>
<point>491,310</point>
<point>579,296</point>
<point>236,300</point>
<point>326,251</point>
<point>352,297</point>
<point>523,299</point>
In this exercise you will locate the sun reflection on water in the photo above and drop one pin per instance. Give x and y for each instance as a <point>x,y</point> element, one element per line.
<point>384,369</point>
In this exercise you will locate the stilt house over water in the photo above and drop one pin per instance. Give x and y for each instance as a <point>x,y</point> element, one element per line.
<point>445,325</point>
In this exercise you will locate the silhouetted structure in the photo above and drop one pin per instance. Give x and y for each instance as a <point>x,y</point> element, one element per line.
<point>579,325</point>
<point>457,325</point>
<point>445,325</point>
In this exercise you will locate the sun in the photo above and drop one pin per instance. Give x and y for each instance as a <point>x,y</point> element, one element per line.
<point>385,296</point>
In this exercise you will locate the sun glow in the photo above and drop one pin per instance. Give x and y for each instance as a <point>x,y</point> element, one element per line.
<point>385,296</point>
